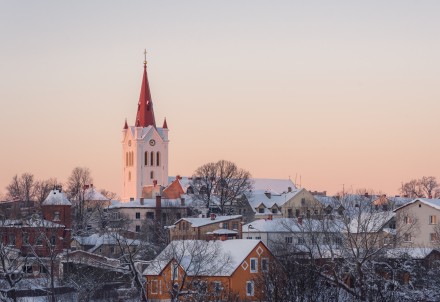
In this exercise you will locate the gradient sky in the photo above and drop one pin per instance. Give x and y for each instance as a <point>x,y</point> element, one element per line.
<point>339,92</point>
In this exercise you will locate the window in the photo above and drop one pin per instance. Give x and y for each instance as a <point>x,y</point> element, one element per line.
<point>217,286</point>
<point>264,264</point>
<point>201,286</point>
<point>158,159</point>
<point>297,213</point>
<point>56,216</point>
<point>225,225</point>
<point>235,225</point>
<point>126,159</point>
<point>150,215</point>
<point>248,237</point>
<point>301,240</point>
<point>175,272</point>
<point>433,237</point>
<point>25,238</point>
<point>151,174</point>
<point>152,158</point>
<point>261,210</point>
<point>432,219</point>
<point>289,240</point>
<point>138,215</point>
<point>303,201</point>
<point>39,240</point>
<point>112,249</point>
<point>27,269</point>
<point>254,265</point>
<point>43,269</point>
<point>338,240</point>
<point>289,213</point>
<point>129,176</point>
<point>53,240</point>
<point>407,237</point>
<point>146,158</point>
<point>258,237</point>
<point>138,228</point>
<point>11,239</point>
<point>274,211</point>
<point>249,288</point>
<point>407,220</point>
<point>154,287</point>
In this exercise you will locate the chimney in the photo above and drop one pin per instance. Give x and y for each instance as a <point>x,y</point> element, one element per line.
<point>289,189</point>
<point>212,216</point>
<point>141,200</point>
<point>154,182</point>
<point>158,207</point>
<point>300,220</point>
<point>366,194</point>
<point>182,201</point>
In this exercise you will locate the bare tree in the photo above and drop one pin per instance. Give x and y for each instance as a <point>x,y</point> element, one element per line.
<point>427,186</point>
<point>77,185</point>
<point>221,183</point>
<point>348,253</point>
<point>108,194</point>
<point>21,188</point>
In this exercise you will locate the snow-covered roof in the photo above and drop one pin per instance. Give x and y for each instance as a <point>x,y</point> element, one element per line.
<point>93,195</point>
<point>370,222</point>
<point>229,255</point>
<point>289,225</point>
<point>269,199</point>
<point>97,240</point>
<point>224,232</point>
<point>412,252</point>
<point>435,203</point>
<point>30,223</point>
<point>274,185</point>
<point>56,197</point>
<point>199,222</point>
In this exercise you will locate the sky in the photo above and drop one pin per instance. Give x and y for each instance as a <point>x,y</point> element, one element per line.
<point>328,93</point>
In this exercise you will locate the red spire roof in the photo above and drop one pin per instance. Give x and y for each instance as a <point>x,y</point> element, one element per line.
<point>165,125</point>
<point>145,113</point>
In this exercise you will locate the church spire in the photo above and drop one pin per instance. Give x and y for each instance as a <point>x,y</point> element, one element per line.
<point>145,113</point>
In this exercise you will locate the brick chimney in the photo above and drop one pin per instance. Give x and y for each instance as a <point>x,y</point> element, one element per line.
<point>154,183</point>
<point>212,216</point>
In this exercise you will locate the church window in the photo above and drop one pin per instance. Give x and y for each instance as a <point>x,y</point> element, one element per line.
<point>126,159</point>
<point>152,173</point>
<point>129,176</point>
<point>146,158</point>
<point>132,157</point>
<point>157,159</point>
<point>152,158</point>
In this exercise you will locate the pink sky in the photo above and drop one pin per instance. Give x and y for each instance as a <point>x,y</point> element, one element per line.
<point>337,92</point>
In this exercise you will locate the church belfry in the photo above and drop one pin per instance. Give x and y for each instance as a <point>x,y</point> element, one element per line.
<point>144,148</point>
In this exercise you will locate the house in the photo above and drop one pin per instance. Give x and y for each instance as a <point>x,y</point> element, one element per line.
<point>208,270</point>
<point>154,212</point>
<point>281,234</point>
<point>109,245</point>
<point>289,204</point>
<point>213,227</point>
<point>417,221</point>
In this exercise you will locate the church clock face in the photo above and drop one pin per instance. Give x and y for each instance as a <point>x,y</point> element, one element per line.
<point>152,142</point>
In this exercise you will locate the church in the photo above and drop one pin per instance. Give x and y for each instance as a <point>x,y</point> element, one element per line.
<point>144,148</point>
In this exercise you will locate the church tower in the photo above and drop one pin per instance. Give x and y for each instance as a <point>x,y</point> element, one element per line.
<point>144,148</point>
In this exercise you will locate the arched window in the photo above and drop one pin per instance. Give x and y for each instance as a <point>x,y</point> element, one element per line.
<point>131,158</point>
<point>129,176</point>
<point>126,159</point>
<point>152,158</point>
<point>146,158</point>
<point>152,174</point>
<point>158,159</point>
